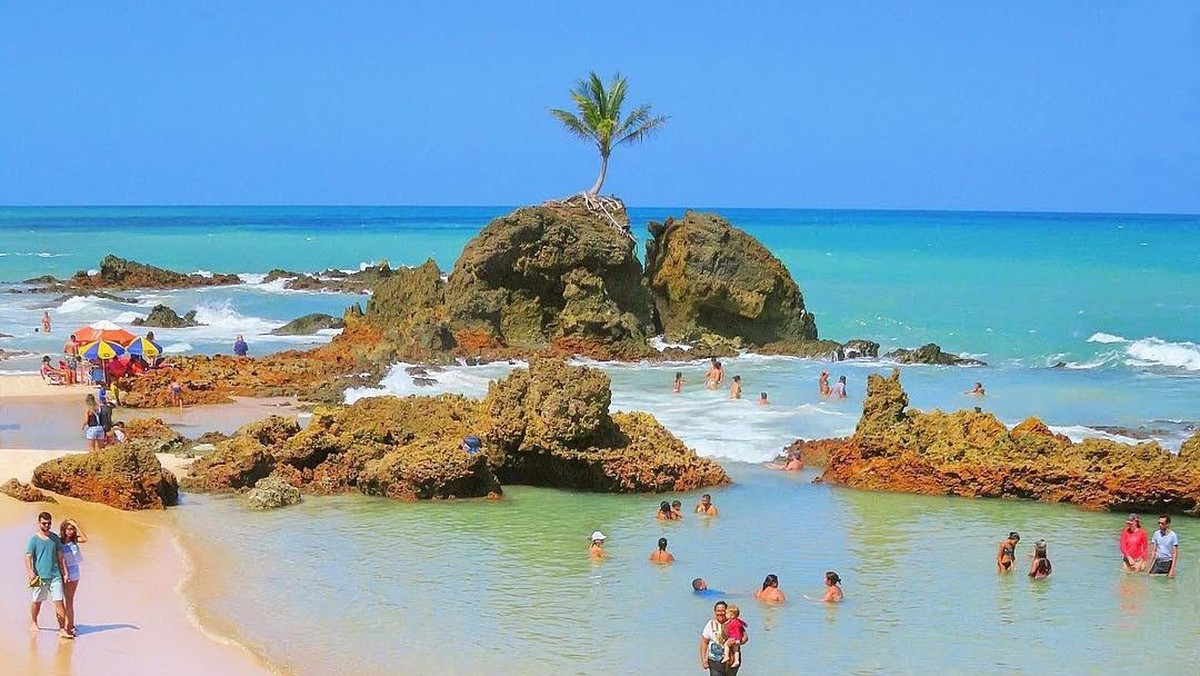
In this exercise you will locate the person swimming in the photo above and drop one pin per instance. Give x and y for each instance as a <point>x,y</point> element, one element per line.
<point>833,589</point>
<point>735,388</point>
<point>678,386</point>
<point>1007,552</point>
<point>762,399</point>
<point>700,588</point>
<point>770,592</point>
<point>976,391</point>
<point>823,384</point>
<point>665,513</point>
<point>677,509</point>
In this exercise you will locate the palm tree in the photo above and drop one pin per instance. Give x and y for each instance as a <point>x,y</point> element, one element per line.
<point>599,119</point>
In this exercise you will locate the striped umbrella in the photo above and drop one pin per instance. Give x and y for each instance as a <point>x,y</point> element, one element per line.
<point>102,350</point>
<point>145,348</point>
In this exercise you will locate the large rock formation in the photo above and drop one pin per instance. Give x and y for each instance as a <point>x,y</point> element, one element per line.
<point>971,453</point>
<point>120,476</point>
<point>119,273</point>
<point>546,426</point>
<point>556,273</point>
<point>708,277</point>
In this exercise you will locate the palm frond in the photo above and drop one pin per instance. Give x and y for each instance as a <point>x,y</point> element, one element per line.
<point>573,124</point>
<point>646,128</point>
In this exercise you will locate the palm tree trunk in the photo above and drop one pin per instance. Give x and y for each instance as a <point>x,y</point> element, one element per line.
<point>595,189</point>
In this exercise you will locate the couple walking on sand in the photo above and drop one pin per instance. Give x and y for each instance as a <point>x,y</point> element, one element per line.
<point>52,562</point>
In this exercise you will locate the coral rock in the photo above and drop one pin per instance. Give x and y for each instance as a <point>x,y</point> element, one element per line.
<point>162,316</point>
<point>272,493</point>
<point>24,492</point>
<point>120,476</point>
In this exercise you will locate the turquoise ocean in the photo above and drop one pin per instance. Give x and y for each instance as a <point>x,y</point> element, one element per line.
<point>1090,322</point>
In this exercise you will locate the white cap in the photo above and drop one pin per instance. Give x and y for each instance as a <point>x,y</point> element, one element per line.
<point>598,536</point>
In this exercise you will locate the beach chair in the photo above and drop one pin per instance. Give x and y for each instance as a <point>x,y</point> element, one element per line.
<point>53,375</point>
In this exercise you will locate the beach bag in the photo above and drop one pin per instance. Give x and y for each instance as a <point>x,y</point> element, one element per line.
<point>472,444</point>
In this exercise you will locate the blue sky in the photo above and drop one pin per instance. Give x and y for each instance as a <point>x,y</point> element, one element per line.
<point>1070,106</point>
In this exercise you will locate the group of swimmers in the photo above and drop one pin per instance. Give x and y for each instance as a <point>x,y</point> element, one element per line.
<point>726,632</point>
<point>713,380</point>
<point>1132,543</point>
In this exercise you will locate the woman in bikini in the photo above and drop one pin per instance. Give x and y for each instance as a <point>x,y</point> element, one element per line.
<point>1007,553</point>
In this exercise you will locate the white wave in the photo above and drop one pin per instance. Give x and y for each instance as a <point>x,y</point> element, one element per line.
<point>660,343</point>
<point>177,348</point>
<point>1149,352</point>
<point>127,317</point>
<point>470,381</point>
<point>1078,433</point>
<point>81,304</point>
<point>38,254</point>
<point>1105,338</point>
<point>252,277</point>
<point>207,274</point>
<point>221,319</point>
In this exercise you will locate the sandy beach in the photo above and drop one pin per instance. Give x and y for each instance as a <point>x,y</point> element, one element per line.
<point>34,387</point>
<point>132,616</point>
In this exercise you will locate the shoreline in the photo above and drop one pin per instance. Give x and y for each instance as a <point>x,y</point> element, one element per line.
<point>134,602</point>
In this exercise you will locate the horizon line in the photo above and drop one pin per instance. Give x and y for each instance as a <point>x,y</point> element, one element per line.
<point>660,207</point>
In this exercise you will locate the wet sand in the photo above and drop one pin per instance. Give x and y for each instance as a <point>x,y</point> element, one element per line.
<point>131,616</point>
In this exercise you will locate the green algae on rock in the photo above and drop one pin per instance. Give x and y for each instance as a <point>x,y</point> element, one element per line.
<point>973,454</point>
<point>24,492</point>
<point>706,276</point>
<point>162,316</point>
<point>545,426</point>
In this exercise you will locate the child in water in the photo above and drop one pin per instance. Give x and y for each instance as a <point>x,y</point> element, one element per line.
<point>762,399</point>
<point>678,386</point>
<point>733,635</point>
<point>1040,569</point>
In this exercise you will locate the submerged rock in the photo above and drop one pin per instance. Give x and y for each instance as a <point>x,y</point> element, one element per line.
<point>931,353</point>
<point>24,492</point>
<point>272,493</point>
<point>708,277</point>
<point>162,316</point>
<point>973,454</point>
<point>309,324</point>
<point>120,476</point>
<point>546,426</point>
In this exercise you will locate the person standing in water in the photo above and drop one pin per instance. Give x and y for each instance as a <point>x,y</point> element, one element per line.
<point>833,589</point>
<point>665,513</point>
<point>1040,568</point>
<point>735,388</point>
<point>678,386</point>
<point>770,592</point>
<point>46,322</point>
<point>823,384</point>
<point>1133,545</point>
<point>1166,548</point>
<point>712,379</point>
<point>677,509</point>
<point>661,555</point>
<point>1007,553</point>
<point>706,507</point>
<point>839,388</point>
<point>596,549</point>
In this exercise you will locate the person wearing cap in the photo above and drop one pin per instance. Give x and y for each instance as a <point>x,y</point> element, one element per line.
<point>823,384</point>
<point>1166,548</point>
<point>1007,552</point>
<point>596,549</point>
<point>1133,545</point>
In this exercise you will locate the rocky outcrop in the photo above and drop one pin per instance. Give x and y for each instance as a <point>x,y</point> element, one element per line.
<point>154,435</point>
<point>162,316</point>
<point>272,493</point>
<point>309,324</point>
<point>336,281</point>
<point>973,454</point>
<point>706,276</point>
<point>552,274</point>
<point>930,354</point>
<point>24,492</point>
<point>120,476</point>
<point>119,273</point>
<point>546,426</point>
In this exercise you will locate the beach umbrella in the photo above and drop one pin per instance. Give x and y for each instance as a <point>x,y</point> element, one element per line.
<point>103,330</point>
<point>101,350</point>
<point>145,348</point>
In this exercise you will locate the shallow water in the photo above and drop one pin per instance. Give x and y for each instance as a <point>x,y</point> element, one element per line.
<point>509,586</point>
